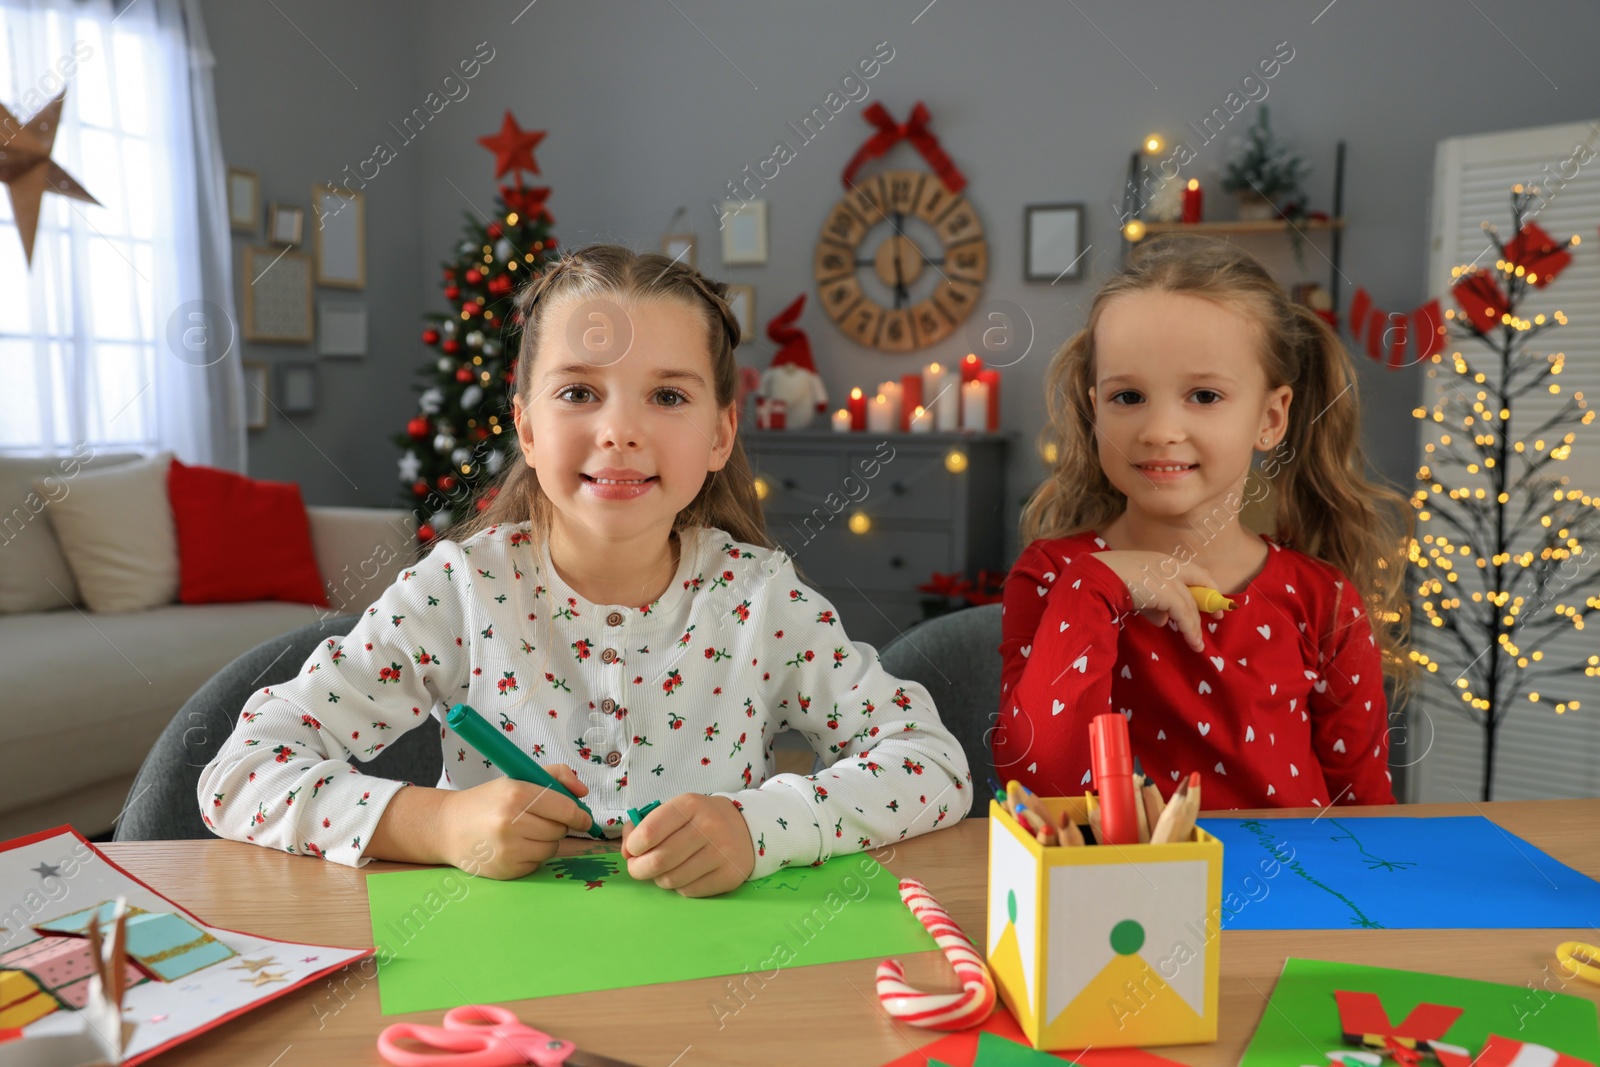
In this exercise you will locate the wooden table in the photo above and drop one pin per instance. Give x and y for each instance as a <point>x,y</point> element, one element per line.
<point>824,1014</point>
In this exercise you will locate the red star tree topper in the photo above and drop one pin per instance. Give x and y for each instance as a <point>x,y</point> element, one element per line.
<point>462,434</point>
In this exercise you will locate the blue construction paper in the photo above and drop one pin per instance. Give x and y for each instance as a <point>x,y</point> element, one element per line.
<point>1333,873</point>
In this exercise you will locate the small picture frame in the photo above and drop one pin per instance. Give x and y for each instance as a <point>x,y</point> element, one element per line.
<point>285,224</point>
<point>256,384</point>
<point>244,200</point>
<point>297,388</point>
<point>277,296</point>
<point>341,328</point>
<point>679,247</point>
<point>1052,242</point>
<point>742,300</point>
<point>744,232</point>
<point>340,216</point>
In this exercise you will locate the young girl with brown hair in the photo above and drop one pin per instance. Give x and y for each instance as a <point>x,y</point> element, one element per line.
<point>616,604</point>
<point>1194,362</point>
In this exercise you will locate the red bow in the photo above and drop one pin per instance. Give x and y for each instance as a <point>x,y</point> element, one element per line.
<point>528,202</point>
<point>891,133</point>
<point>951,585</point>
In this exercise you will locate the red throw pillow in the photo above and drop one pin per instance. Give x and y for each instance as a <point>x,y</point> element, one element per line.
<point>241,539</point>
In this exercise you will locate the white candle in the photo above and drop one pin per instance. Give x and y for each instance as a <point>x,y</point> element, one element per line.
<point>881,416</point>
<point>921,420</point>
<point>941,395</point>
<point>934,379</point>
<point>841,421</point>
<point>891,392</point>
<point>975,406</point>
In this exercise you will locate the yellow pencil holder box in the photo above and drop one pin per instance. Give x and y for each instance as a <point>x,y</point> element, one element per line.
<point>1104,945</point>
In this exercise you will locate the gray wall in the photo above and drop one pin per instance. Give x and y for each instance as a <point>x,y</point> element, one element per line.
<point>648,108</point>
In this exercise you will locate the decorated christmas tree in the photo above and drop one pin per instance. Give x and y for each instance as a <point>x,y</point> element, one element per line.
<point>462,433</point>
<point>1503,561</point>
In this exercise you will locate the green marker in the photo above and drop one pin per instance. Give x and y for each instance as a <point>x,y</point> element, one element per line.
<point>636,815</point>
<point>515,763</point>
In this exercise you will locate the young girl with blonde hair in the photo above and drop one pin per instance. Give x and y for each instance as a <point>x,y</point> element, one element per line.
<point>618,605</point>
<point>1193,363</point>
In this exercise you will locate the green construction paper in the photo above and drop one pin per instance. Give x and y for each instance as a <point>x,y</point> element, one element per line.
<point>580,924</point>
<point>1301,1022</point>
<point>996,1051</point>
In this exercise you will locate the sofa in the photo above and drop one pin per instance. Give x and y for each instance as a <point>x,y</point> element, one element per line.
<point>88,693</point>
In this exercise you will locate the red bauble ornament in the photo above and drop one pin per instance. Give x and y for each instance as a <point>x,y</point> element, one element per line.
<point>481,433</point>
<point>418,427</point>
<point>446,482</point>
<point>449,274</point>
<point>495,230</point>
<point>464,374</point>
<point>481,503</point>
<point>474,276</point>
<point>430,337</point>
<point>425,533</point>
<point>472,308</point>
<point>500,284</point>
<point>451,346</point>
<point>420,487</point>
<point>451,292</point>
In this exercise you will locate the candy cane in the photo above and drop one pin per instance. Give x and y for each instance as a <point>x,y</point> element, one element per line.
<point>938,1011</point>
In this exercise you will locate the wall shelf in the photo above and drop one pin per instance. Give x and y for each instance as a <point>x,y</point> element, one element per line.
<point>1237,226</point>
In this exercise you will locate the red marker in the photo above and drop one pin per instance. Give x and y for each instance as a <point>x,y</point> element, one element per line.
<point>1112,764</point>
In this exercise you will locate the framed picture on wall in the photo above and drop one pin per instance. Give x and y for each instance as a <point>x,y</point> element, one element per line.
<point>256,384</point>
<point>679,247</point>
<point>244,200</point>
<point>1052,242</point>
<point>742,300</point>
<point>340,216</point>
<point>744,232</point>
<point>285,223</point>
<point>277,296</point>
<point>297,388</point>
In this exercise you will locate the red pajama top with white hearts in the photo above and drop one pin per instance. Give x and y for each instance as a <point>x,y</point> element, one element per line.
<point>1284,708</point>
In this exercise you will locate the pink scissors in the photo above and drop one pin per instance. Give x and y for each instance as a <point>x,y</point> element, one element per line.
<point>482,1035</point>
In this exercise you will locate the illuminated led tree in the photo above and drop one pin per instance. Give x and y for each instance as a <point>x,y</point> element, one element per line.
<point>1505,561</point>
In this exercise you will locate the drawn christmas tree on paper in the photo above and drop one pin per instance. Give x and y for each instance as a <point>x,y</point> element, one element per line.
<point>591,870</point>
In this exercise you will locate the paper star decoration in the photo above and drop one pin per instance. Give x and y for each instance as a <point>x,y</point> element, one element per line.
<point>410,466</point>
<point>253,965</point>
<point>27,169</point>
<point>44,870</point>
<point>267,976</point>
<point>513,147</point>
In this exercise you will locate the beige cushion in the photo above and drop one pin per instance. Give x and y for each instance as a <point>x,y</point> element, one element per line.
<point>115,528</point>
<point>34,575</point>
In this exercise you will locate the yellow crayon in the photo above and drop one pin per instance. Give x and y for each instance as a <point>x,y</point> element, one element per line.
<point>1210,600</point>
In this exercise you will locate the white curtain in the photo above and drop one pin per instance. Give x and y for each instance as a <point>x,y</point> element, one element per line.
<point>122,334</point>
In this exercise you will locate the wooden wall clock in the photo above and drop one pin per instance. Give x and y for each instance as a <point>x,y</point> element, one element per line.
<point>957,267</point>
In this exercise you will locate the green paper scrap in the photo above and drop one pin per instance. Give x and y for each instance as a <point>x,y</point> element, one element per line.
<point>996,1051</point>
<point>580,923</point>
<point>1301,1022</point>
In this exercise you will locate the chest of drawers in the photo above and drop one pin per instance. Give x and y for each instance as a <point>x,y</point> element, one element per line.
<point>867,518</point>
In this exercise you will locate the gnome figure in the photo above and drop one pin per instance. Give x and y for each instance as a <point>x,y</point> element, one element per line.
<point>791,391</point>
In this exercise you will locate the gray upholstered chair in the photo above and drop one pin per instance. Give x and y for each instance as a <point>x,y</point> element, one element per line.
<point>161,805</point>
<point>956,657</point>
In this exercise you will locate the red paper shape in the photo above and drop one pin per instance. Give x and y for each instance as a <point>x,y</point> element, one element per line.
<point>960,1049</point>
<point>1362,1013</point>
<point>1429,329</point>
<point>1538,253</point>
<point>890,133</point>
<point>1377,319</point>
<point>528,201</point>
<point>1480,298</point>
<point>1358,312</point>
<point>1507,1052</point>
<point>1397,329</point>
<point>512,147</point>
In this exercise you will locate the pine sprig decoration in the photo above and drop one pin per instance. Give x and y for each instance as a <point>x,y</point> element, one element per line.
<point>1265,165</point>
